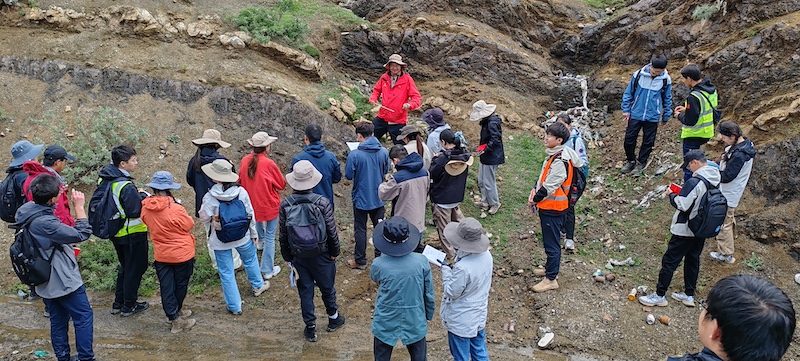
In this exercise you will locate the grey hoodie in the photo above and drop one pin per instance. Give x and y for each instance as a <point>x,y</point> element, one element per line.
<point>687,202</point>
<point>210,208</point>
<point>49,232</point>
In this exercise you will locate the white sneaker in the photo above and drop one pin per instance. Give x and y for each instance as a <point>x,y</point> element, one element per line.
<point>258,291</point>
<point>275,271</point>
<point>797,278</point>
<point>569,245</point>
<point>688,301</point>
<point>653,300</point>
<point>722,257</point>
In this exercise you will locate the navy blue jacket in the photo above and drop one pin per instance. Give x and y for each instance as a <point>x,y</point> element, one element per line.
<point>705,355</point>
<point>492,136</point>
<point>19,179</point>
<point>366,167</point>
<point>199,180</point>
<point>448,189</point>
<point>326,163</point>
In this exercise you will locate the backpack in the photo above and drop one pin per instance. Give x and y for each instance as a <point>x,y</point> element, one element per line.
<point>460,136</point>
<point>233,219</point>
<point>105,212</point>
<point>636,83</point>
<point>578,181</point>
<point>305,226</point>
<point>31,267</point>
<point>10,198</point>
<point>717,114</point>
<point>710,212</point>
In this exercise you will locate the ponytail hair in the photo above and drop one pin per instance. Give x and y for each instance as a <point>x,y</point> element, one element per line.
<point>420,149</point>
<point>251,168</point>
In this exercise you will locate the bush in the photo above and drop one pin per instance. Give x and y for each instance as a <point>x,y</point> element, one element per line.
<point>98,265</point>
<point>704,12</point>
<point>273,23</point>
<point>311,50</point>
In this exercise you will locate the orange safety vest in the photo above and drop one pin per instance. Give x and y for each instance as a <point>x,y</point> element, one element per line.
<point>559,200</point>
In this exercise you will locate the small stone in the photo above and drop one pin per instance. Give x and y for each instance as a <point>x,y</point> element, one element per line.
<point>67,109</point>
<point>607,318</point>
<point>520,271</point>
<point>611,277</point>
<point>600,279</point>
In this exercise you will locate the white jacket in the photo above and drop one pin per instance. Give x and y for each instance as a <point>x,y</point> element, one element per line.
<point>210,208</point>
<point>689,202</point>
<point>465,298</point>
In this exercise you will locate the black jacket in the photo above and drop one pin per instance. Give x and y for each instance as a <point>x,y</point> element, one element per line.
<point>448,189</point>
<point>692,113</point>
<point>492,136</point>
<point>332,242</point>
<point>199,180</point>
<point>705,355</point>
<point>19,179</point>
<point>736,157</point>
<point>129,198</point>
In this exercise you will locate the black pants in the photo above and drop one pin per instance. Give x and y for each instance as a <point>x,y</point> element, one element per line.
<point>132,265</point>
<point>569,221</point>
<point>360,230</point>
<point>381,127</point>
<point>319,270</point>
<point>688,249</point>
<point>383,352</point>
<point>649,130</point>
<point>173,279</point>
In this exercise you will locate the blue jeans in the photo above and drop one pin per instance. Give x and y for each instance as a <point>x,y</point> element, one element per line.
<point>75,306</point>
<point>266,235</point>
<point>551,237</point>
<point>462,348</point>
<point>227,274</point>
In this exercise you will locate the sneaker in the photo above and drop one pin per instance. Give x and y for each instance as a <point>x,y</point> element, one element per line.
<point>310,333</point>
<point>116,309</point>
<point>638,168</point>
<point>628,167</point>
<point>545,285</point>
<point>236,313</point>
<point>569,245</point>
<point>138,307</point>
<point>181,324</point>
<point>275,271</point>
<point>493,209</point>
<point>482,206</point>
<point>797,278</point>
<point>686,300</point>
<point>33,297</point>
<point>654,300</point>
<point>185,313</point>
<point>722,257</point>
<point>46,314</point>
<point>335,324</point>
<point>258,291</point>
<point>539,271</point>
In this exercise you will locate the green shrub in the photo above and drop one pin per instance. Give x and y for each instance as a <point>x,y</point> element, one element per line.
<point>704,12</point>
<point>311,50</point>
<point>273,23</point>
<point>98,264</point>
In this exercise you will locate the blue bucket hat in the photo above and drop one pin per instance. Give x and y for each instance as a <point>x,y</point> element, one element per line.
<point>24,150</point>
<point>163,180</point>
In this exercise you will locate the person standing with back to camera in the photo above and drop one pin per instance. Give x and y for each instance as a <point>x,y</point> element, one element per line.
<point>398,94</point>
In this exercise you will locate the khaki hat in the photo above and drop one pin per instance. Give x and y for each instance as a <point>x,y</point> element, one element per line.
<point>456,167</point>
<point>467,236</point>
<point>397,59</point>
<point>220,170</point>
<point>406,131</point>
<point>261,139</point>
<point>211,136</point>
<point>303,176</point>
<point>481,110</point>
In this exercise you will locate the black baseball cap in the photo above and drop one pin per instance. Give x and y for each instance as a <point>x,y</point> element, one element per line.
<point>694,154</point>
<point>57,152</point>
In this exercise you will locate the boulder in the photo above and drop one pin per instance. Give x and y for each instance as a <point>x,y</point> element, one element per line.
<point>293,58</point>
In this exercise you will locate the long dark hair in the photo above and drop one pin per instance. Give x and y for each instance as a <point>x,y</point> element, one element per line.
<point>251,168</point>
<point>415,136</point>
<point>196,162</point>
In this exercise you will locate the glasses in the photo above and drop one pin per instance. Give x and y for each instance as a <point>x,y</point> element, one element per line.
<point>704,305</point>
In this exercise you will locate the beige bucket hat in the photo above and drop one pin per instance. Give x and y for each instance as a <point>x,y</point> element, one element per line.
<point>467,236</point>
<point>211,136</point>
<point>456,167</point>
<point>220,170</point>
<point>481,110</point>
<point>261,139</point>
<point>397,59</point>
<point>303,176</point>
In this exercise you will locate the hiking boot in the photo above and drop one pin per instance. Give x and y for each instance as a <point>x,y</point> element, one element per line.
<point>181,324</point>
<point>545,285</point>
<point>310,333</point>
<point>116,309</point>
<point>138,307</point>
<point>355,265</point>
<point>335,323</point>
<point>482,206</point>
<point>638,168</point>
<point>569,245</point>
<point>725,258</point>
<point>654,300</point>
<point>258,291</point>
<point>46,314</point>
<point>493,209</point>
<point>185,313</point>
<point>275,271</point>
<point>688,301</point>
<point>628,167</point>
<point>539,271</point>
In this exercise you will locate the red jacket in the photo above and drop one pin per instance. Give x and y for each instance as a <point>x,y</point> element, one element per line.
<point>170,229</point>
<point>404,91</point>
<point>61,211</point>
<point>263,188</point>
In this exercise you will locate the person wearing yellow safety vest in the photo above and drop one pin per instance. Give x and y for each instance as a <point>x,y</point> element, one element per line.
<point>131,241</point>
<point>697,113</point>
<point>550,199</point>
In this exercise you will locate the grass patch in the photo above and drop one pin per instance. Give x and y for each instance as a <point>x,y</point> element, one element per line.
<point>98,265</point>
<point>602,4</point>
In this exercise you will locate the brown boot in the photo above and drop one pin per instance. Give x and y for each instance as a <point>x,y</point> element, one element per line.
<point>182,324</point>
<point>545,285</point>
<point>185,312</point>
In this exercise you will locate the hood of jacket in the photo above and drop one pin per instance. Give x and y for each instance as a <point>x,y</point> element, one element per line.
<point>567,153</point>
<point>706,86</point>
<point>574,133</point>
<point>13,169</point>
<point>111,172</point>
<point>224,195</point>
<point>209,155</point>
<point>371,144</point>
<point>710,173</point>
<point>33,168</point>
<point>747,148</point>
<point>156,203</point>
<point>412,163</point>
<point>315,149</point>
<point>31,208</point>
<point>459,154</point>
<point>645,71</point>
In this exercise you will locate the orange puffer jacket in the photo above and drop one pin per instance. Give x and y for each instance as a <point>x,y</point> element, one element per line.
<point>170,229</point>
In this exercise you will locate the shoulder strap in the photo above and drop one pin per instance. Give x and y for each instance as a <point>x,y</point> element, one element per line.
<point>636,82</point>
<point>708,184</point>
<point>707,100</point>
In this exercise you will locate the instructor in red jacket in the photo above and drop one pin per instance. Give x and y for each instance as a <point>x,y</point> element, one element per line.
<point>398,94</point>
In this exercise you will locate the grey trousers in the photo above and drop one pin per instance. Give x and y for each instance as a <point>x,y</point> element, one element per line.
<point>487,182</point>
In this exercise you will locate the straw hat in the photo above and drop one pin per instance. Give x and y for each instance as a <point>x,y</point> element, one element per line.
<point>24,150</point>
<point>481,110</point>
<point>467,236</point>
<point>220,170</point>
<point>163,180</point>
<point>456,167</point>
<point>261,139</point>
<point>303,176</point>
<point>396,237</point>
<point>211,136</point>
<point>397,59</point>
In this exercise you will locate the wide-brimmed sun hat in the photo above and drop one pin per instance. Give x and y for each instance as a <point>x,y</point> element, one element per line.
<point>467,236</point>
<point>434,117</point>
<point>163,180</point>
<point>397,59</point>
<point>481,110</point>
<point>211,136</point>
<point>395,237</point>
<point>406,131</point>
<point>24,150</point>
<point>456,167</point>
<point>261,139</point>
<point>304,176</point>
<point>220,170</point>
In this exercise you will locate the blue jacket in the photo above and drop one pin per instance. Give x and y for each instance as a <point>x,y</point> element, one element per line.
<point>326,163</point>
<point>366,167</point>
<point>199,180</point>
<point>651,103</point>
<point>575,142</point>
<point>492,136</point>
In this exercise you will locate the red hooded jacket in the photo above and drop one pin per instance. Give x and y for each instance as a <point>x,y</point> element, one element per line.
<point>393,97</point>
<point>33,169</point>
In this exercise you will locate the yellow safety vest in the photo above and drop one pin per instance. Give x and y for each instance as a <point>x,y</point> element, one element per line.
<point>705,123</point>
<point>131,225</point>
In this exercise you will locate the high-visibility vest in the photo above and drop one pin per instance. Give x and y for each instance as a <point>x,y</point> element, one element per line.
<point>130,225</point>
<point>705,123</point>
<point>559,200</point>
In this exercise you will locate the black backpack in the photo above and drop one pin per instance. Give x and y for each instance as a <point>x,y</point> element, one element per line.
<point>10,198</point>
<point>710,212</point>
<point>305,225</point>
<point>578,181</point>
<point>233,219</point>
<point>104,210</point>
<point>29,264</point>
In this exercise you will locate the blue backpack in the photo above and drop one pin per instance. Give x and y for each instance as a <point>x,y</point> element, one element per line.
<point>233,219</point>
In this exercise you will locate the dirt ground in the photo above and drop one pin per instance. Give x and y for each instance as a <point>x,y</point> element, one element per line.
<point>592,321</point>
